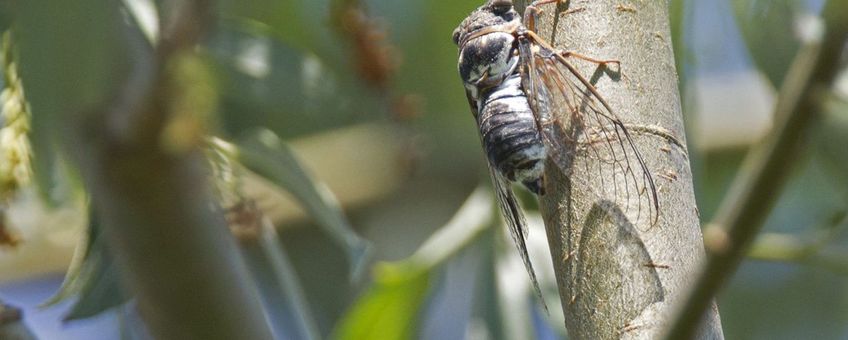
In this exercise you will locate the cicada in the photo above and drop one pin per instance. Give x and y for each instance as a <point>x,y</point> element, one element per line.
<point>531,104</point>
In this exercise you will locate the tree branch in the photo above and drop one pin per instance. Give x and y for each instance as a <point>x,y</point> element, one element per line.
<point>761,179</point>
<point>175,251</point>
<point>619,277</point>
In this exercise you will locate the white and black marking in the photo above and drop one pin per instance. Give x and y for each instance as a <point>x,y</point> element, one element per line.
<point>488,65</point>
<point>511,137</point>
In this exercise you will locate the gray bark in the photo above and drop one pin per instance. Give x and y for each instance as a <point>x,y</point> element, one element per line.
<point>621,277</point>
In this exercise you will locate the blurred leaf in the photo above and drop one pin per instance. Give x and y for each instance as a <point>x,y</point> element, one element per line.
<point>768,27</point>
<point>303,25</point>
<point>429,60</point>
<point>101,290</point>
<point>389,310</point>
<point>832,139</point>
<point>268,156</point>
<point>71,54</point>
<point>279,285</point>
<point>92,278</point>
<point>5,15</point>
<point>454,297</point>
<point>44,168</point>
<point>281,16</point>
<point>469,222</point>
<point>21,151</point>
<point>716,170</point>
<point>282,87</point>
<point>489,303</point>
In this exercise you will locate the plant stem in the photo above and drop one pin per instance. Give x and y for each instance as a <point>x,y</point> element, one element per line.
<point>173,248</point>
<point>761,179</point>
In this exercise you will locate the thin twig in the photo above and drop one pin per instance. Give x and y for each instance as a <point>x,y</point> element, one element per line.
<point>776,247</point>
<point>765,171</point>
<point>815,249</point>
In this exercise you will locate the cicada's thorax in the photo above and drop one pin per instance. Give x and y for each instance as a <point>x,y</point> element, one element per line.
<point>487,60</point>
<point>489,66</point>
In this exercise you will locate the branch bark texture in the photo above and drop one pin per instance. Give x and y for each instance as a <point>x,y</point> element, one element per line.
<point>620,277</point>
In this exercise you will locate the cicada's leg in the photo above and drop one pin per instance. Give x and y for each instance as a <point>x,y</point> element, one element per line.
<point>532,10</point>
<point>600,62</point>
<point>543,2</point>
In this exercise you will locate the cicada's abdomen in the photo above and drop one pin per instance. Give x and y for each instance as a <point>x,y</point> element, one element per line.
<point>510,135</point>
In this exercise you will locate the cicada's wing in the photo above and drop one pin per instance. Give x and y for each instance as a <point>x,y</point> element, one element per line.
<point>515,222</point>
<point>577,122</point>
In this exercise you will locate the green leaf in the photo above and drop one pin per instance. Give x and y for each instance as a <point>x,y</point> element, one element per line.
<point>769,31</point>
<point>281,16</point>
<point>71,55</point>
<point>279,285</point>
<point>282,87</point>
<point>269,157</point>
<point>389,310</point>
<point>301,24</point>
<point>831,142</point>
<point>100,291</point>
<point>93,278</point>
<point>474,216</point>
<point>5,15</point>
<point>44,163</point>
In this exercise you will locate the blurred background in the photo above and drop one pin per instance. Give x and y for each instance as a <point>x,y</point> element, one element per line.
<point>365,100</point>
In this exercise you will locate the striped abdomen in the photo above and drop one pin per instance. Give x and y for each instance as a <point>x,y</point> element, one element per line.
<point>510,135</point>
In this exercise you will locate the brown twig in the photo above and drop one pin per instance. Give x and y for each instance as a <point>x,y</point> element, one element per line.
<point>764,172</point>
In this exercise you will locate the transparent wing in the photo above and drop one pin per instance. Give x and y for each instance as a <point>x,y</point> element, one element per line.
<point>515,222</point>
<point>581,130</point>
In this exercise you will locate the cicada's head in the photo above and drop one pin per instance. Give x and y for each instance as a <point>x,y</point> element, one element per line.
<point>496,15</point>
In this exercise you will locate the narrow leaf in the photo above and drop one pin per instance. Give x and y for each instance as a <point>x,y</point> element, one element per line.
<point>71,54</point>
<point>278,282</point>
<point>768,28</point>
<point>269,157</point>
<point>92,278</point>
<point>390,309</point>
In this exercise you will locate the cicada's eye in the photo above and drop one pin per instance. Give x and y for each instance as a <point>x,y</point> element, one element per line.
<point>456,36</point>
<point>501,6</point>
